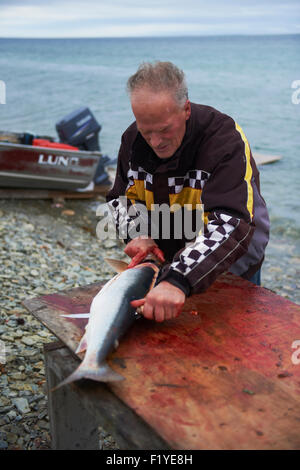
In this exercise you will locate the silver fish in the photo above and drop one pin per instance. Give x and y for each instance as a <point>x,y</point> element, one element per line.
<point>110,317</point>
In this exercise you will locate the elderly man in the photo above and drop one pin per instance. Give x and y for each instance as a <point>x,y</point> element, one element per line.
<point>178,152</point>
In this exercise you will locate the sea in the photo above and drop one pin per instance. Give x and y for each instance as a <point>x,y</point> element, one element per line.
<point>254,79</point>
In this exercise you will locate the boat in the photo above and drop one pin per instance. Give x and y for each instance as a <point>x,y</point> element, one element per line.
<point>74,162</point>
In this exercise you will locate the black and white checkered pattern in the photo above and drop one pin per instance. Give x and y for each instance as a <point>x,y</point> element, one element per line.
<point>217,232</point>
<point>119,212</point>
<point>119,207</point>
<point>195,179</point>
<point>125,223</point>
<point>141,175</point>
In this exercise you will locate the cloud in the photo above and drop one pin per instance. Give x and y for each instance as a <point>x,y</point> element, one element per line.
<point>103,18</point>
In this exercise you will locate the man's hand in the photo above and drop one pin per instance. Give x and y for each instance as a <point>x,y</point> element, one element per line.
<point>163,302</point>
<point>140,247</point>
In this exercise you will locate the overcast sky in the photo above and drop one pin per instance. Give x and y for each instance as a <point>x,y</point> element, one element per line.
<point>121,18</point>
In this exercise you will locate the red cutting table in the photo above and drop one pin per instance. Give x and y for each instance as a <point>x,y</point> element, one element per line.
<point>223,375</point>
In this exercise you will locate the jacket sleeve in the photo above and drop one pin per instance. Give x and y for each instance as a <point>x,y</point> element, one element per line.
<point>228,223</point>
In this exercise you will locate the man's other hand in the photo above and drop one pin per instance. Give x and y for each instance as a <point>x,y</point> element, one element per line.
<point>140,247</point>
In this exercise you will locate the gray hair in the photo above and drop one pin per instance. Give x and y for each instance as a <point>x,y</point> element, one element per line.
<point>160,76</point>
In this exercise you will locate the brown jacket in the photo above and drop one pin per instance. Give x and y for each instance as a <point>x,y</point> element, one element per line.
<point>213,166</point>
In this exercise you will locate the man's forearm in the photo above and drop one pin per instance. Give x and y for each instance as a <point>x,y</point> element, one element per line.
<point>196,267</point>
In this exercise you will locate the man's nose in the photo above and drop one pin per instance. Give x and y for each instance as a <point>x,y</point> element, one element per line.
<point>155,140</point>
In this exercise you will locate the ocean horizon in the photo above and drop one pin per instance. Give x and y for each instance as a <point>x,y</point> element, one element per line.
<point>169,36</point>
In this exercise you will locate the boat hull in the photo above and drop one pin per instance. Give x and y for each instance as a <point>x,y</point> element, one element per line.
<point>26,166</point>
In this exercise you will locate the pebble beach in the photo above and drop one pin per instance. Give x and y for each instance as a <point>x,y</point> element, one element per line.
<point>47,246</point>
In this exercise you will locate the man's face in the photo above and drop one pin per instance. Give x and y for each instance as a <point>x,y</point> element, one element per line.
<point>160,120</point>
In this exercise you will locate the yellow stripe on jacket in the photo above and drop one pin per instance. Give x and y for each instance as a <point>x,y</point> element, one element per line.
<point>138,192</point>
<point>186,196</point>
<point>248,175</point>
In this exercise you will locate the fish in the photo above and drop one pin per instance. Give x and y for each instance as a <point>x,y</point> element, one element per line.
<point>111,315</point>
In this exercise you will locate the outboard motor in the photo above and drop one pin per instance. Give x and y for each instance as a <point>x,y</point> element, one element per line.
<point>80,129</point>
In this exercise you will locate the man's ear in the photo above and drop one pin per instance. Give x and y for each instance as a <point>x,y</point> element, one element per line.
<point>187,109</point>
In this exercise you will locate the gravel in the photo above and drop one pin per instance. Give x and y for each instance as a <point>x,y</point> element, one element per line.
<point>45,247</point>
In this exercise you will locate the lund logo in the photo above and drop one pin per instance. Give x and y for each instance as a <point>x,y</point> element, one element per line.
<point>57,160</point>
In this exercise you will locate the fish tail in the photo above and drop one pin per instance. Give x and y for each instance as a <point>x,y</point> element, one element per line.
<point>102,373</point>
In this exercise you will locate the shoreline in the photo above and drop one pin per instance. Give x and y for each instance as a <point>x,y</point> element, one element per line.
<point>46,247</point>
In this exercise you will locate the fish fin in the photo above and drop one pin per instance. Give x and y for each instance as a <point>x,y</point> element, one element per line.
<point>103,373</point>
<point>116,344</point>
<point>82,345</point>
<point>116,264</point>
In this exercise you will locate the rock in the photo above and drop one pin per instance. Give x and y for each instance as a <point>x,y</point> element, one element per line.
<point>29,354</point>
<point>3,445</point>
<point>34,272</point>
<point>43,414</point>
<point>43,425</point>
<point>26,428</point>
<point>39,365</point>
<point>4,401</point>
<point>39,339</point>
<point>28,341</point>
<point>44,334</point>
<point>109,243</point>
<point>28,227</point>
<point>36,398</point>
<point>18,334</point>
<point>12,437</point>
<point>17,376</point>
<point>22,405</point>
<point>68,212</point>
<point>20,442</point>
<point>7,337</point>
<point>12,414</point>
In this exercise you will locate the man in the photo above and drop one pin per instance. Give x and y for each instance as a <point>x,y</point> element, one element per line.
<point>178,152</point>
